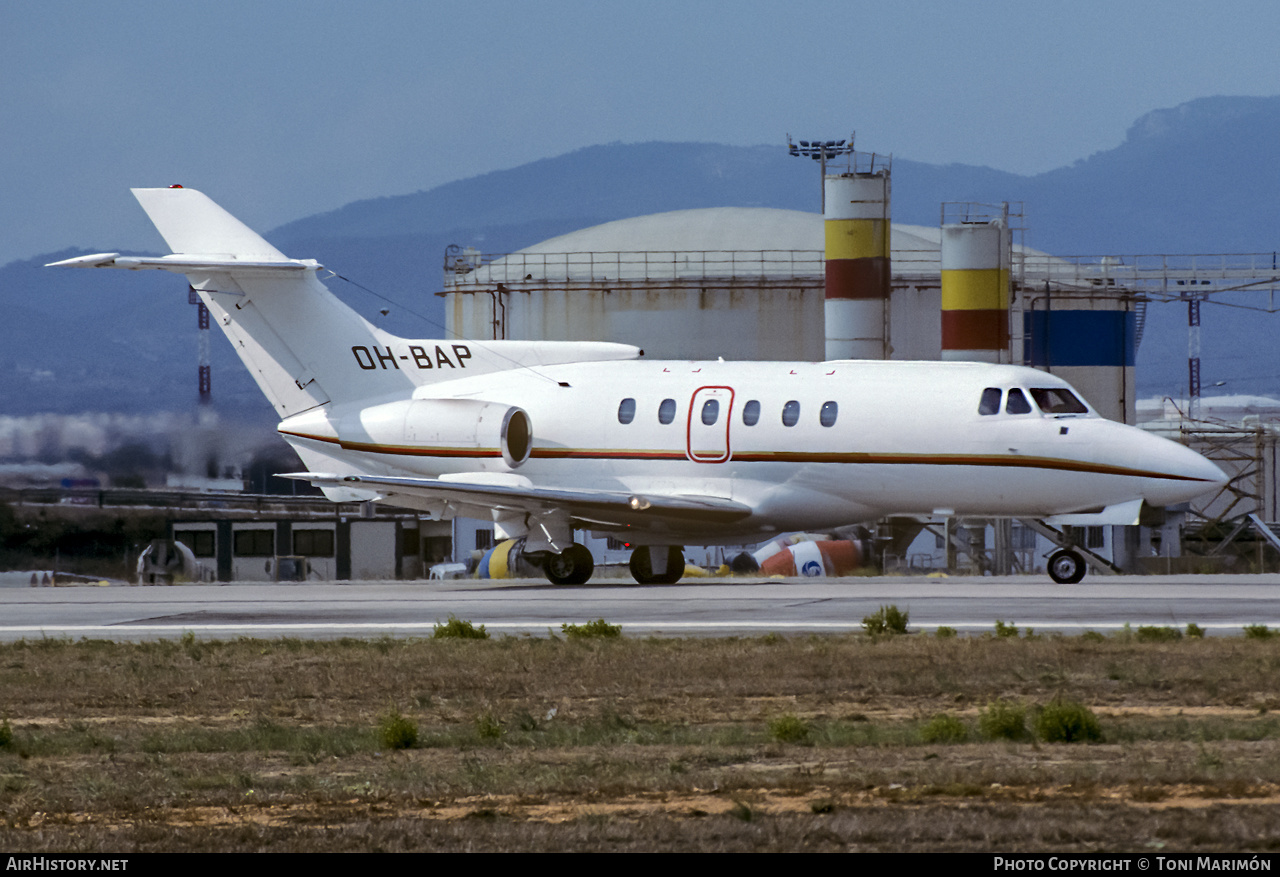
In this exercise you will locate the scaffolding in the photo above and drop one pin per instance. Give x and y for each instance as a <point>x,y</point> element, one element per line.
<point>470,271</point>
<point>1155,277</point>
<point>1242,507</point>
<point>1160,276</point>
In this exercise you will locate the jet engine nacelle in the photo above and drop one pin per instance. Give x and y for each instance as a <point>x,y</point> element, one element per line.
<point>470,427</point>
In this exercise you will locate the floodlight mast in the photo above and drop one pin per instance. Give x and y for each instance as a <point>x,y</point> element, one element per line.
<point>820,151</point>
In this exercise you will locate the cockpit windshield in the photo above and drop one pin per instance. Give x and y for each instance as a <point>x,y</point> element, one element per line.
<point>1056,400</point>
<point>1053,401</point>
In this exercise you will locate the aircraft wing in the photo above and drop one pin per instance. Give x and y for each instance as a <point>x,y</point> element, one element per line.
<point>588,508</point>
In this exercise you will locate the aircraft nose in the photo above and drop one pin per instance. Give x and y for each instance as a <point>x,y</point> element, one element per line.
<point>1178,473</point>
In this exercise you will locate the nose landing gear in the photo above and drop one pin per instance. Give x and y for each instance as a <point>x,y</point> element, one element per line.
<point>1066,567</point>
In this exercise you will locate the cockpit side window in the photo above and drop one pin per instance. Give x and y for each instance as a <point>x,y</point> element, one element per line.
<point>1056,400</point>
<point>990,403</point>
<point>1017,403</point>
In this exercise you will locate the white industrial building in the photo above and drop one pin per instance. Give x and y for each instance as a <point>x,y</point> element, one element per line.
<point>738,282</point>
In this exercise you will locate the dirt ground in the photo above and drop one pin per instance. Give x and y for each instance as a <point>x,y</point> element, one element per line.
<point>735,745</point>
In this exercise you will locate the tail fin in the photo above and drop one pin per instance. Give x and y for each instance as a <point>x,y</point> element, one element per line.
<point>287,328</point>
<point>190,222</point>
<point>302,345</point>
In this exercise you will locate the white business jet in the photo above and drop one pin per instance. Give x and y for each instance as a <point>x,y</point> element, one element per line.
<point>544,438</point>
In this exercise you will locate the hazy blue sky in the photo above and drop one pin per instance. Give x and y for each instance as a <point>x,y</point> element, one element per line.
<point>283,109</point>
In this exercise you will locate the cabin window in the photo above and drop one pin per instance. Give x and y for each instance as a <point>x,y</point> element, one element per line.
<point>1017,403</point>
<point>667,411</point>
<point>791,413</point>
<point>990,403</point>
<point>751,413</point>
<point>710,411</point>
<point>627,411</point>
<point>830,411</point>
<point>1056,400</point>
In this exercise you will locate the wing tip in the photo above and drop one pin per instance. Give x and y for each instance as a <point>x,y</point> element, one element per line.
<point>94,260</point>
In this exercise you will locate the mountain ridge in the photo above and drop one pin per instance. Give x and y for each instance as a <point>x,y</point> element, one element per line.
<point>1191,178</point>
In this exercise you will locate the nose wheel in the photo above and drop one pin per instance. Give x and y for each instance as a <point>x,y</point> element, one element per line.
<point>1066,567</point>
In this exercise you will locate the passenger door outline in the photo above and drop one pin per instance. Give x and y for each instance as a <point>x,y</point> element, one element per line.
<point>709,444</point>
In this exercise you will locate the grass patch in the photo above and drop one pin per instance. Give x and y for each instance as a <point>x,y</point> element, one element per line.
<point>1062,721</point>
<point>598,629</point>
<point>886,621</point>
<point>1006,631</point>
<point>397,732</point>
<point>488,727</point>
<point>789,728</point>
<point>944,728</point>
<point>1003,720</point>
<point>456,628</point>
<point>1151,634</point>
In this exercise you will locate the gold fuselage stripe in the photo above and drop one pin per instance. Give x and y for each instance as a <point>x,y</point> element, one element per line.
<point>1006,461</point>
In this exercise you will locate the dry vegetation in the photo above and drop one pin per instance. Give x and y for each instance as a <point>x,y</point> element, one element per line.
<point>615,744</point>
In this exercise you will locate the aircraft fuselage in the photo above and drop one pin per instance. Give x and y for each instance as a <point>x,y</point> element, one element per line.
<point>805,445</point>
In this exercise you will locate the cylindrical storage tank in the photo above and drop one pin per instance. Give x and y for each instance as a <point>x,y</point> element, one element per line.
<point>975,291</point>
<point>1090,344</point>
<point>857,265</point>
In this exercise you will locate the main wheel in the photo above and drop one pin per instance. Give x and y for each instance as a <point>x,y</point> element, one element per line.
<point>1066,567</point>
<point>642,568</point>
<point>573,566</point>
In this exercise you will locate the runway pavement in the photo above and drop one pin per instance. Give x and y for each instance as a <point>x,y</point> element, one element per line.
<point>1222,605</point>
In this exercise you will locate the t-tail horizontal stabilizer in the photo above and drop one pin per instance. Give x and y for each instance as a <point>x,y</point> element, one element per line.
<point>303,346</point>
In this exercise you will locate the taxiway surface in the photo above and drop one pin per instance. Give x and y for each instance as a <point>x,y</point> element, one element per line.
<point>1220,604</point>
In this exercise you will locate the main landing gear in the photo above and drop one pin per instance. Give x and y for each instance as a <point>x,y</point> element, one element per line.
<point>650,565</point>
<point>1066,567</point>
<point>657,564</point>
<point>573,566</point>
